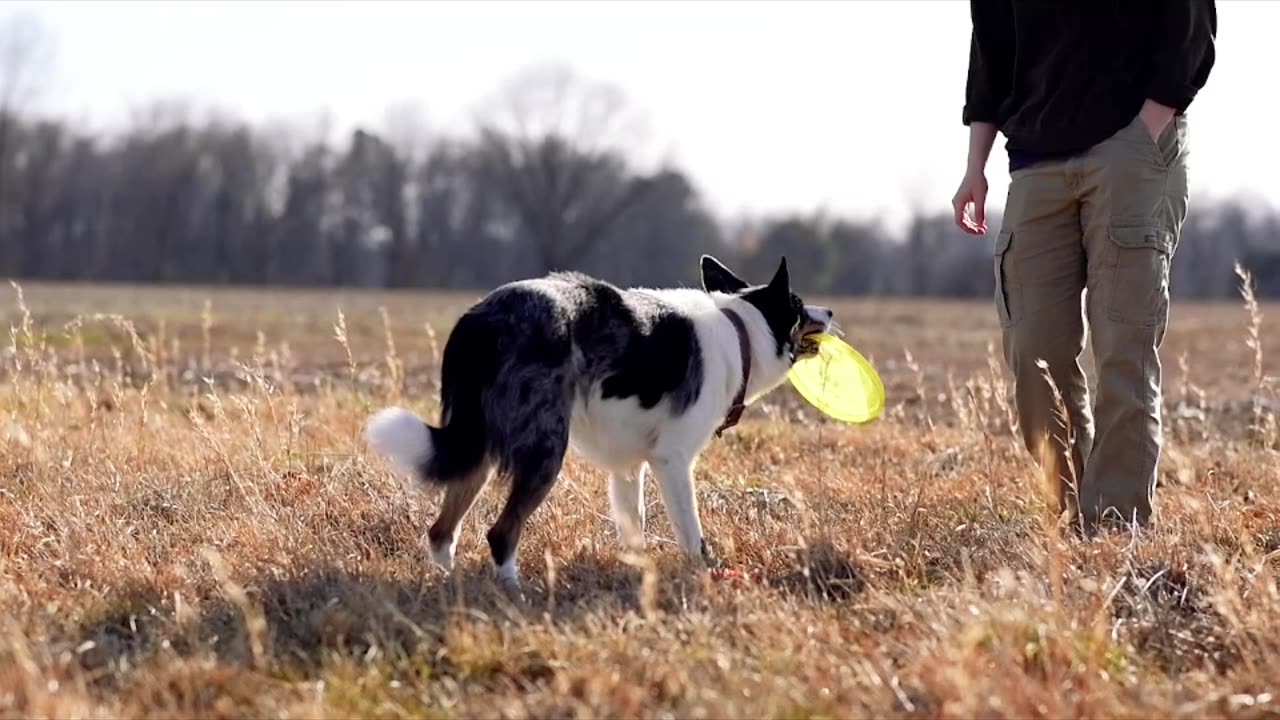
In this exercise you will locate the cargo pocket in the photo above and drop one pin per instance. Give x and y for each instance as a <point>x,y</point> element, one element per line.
<point>1006,303</point>
<point>1140,274</point>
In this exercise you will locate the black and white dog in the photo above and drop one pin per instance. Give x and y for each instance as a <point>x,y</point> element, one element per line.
<point>632,379</point>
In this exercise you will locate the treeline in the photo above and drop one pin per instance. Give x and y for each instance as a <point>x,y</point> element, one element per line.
<point>177,200</point>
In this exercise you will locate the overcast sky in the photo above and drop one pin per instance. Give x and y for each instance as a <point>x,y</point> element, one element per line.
<point>853,106</point>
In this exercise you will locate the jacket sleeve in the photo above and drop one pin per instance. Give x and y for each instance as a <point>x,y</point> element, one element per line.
<point>991,47</point>
<point>1183,53</point>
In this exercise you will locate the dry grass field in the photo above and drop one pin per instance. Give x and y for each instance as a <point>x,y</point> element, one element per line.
<point>190,526</point>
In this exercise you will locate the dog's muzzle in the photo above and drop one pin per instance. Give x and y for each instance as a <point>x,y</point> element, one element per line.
<point>815,320</point>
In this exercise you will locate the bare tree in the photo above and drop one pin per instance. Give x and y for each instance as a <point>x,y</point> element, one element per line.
<point>551,100</point>
<point>553,151</point>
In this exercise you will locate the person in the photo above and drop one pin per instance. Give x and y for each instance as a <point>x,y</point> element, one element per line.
<point>1091,98</point>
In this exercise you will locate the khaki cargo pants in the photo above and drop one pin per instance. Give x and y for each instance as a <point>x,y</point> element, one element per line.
<point>1106,222</point>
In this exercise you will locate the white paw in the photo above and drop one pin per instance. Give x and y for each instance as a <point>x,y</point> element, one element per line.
<point>513,591</point>
<point>509,581</point>
<point>507,571</point>
<point>442,554</point>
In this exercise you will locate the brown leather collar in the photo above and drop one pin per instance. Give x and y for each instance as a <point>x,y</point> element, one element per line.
<point>744,344</point>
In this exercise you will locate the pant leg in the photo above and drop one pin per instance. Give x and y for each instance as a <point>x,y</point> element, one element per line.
<point>1040,277</point>
<point>1133,203</point>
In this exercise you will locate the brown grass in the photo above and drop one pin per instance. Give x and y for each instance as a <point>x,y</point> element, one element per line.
<point>190,526</point>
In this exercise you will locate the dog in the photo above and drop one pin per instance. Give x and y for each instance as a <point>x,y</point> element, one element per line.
<point>631,379</point>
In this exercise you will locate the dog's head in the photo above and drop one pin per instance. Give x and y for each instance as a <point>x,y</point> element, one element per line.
<point>786,315</point>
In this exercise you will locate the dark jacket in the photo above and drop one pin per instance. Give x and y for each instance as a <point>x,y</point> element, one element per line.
<point>1060,76</point>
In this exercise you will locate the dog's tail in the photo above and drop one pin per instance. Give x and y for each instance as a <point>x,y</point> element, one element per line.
<point>457,448</point>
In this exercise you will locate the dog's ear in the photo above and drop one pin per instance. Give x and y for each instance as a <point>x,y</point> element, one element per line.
<point>781,282</point>
<point>718,278</point>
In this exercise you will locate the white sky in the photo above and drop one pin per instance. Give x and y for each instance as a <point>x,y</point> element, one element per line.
<point>851,106</point>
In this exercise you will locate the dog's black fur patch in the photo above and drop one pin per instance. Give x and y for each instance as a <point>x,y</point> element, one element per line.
<point>637,346</point>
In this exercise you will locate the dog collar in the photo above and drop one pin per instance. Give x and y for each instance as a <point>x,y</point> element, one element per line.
<point>744,345</point>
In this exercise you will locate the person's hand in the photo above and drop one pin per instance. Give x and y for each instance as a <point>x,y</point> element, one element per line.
<point>1155,118</point>
<point>970,203</point>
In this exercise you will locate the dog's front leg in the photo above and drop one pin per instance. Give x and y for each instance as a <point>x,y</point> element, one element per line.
<point>675,478</point>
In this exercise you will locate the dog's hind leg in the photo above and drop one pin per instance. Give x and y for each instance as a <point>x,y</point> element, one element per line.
<point>626,499</point>
<point>534,468</point>
<point>675,478</point>
<point>459,497</point>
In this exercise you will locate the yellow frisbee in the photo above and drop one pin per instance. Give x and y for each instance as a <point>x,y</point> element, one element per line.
<point>839,381</point>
